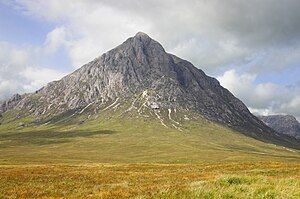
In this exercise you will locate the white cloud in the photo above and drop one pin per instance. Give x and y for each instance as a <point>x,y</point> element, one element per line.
<point>263,98</point>
<point>237,84</point>
<point>262,111</point>
<point>55,40</point>
<point>90,27</point>
<point>6,87</point>
<point>292,106</point>
<point>38,77</point>
<point>211,34</point>
<point>18,74</point>
<point>83,51</point>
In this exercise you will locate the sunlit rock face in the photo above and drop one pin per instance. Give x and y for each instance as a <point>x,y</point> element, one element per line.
<point>141,71</point>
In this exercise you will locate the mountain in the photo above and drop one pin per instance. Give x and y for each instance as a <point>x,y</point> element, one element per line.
<point>140,78</point>
<point>284,124</point>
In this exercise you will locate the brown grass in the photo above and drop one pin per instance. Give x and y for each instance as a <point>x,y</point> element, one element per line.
<point>248,180</point>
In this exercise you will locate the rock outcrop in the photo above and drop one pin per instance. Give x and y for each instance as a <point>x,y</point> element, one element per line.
<point>284,124</point>
<point>11,103</point>
<point>141,67</point>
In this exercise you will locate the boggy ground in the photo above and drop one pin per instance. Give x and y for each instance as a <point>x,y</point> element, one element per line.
<point>226,180</point>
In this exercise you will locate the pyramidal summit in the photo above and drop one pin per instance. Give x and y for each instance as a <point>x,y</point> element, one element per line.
<point>138,120</point>
<point>141,81</point>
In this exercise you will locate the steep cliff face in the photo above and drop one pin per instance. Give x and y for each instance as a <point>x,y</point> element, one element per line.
<point>139,72</point>
<point>284,124</point>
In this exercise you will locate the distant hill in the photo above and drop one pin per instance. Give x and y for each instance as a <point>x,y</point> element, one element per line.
<point>284,124</point>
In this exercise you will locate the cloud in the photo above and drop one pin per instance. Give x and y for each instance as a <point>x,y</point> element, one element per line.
<point>56,39</point>
<point>244,87</point>
<point>264,98</point>
<point>254,37</point>
<point>90,28</point>
<point>18,73</point>
<point>212,34</point>
<point>292,106</point>
<point>38,77</point>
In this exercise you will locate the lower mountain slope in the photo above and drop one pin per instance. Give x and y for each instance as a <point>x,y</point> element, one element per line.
<point>111,137</point>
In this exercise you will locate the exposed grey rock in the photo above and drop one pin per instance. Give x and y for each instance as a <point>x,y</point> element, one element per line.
<point>21,124</point>
<point>11,103</point>
<point>285,124</point>
<point>140,66</point>
<point>153,105</point>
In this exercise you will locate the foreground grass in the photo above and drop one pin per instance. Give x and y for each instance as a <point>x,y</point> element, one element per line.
<point>137,157</point>
<point>247,180</point>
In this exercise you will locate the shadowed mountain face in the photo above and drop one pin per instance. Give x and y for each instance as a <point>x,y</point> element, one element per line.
<point>284,124</point>
<point>140,74</point>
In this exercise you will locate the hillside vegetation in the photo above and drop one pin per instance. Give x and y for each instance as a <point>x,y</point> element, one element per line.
<point>133,139</point>
<point>113,156</point>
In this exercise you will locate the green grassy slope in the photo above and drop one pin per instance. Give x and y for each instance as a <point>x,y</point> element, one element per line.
<point>115,156</point>
<point>110,138</point>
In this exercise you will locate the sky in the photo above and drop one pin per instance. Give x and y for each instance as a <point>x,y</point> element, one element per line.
<point>251,47</point>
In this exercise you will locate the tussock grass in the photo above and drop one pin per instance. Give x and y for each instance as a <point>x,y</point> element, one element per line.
<point>151,181</point>
<point>248,187</point>
<point>134,157</point>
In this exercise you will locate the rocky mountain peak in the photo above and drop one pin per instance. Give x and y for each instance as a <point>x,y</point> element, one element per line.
<point>142,36</point>
<point>291,118</point>
<point>284,124</point>
<point>140,77</point>
<point>142,42</point>
<point>142,39</point>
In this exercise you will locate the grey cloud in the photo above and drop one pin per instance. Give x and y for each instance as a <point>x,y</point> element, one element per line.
<point>252,27</point>
<point>212,34</point>
<point>254,36</point>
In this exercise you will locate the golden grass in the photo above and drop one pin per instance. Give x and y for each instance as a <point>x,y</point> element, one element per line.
<point>227,180</point>
<point>133,158</point>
